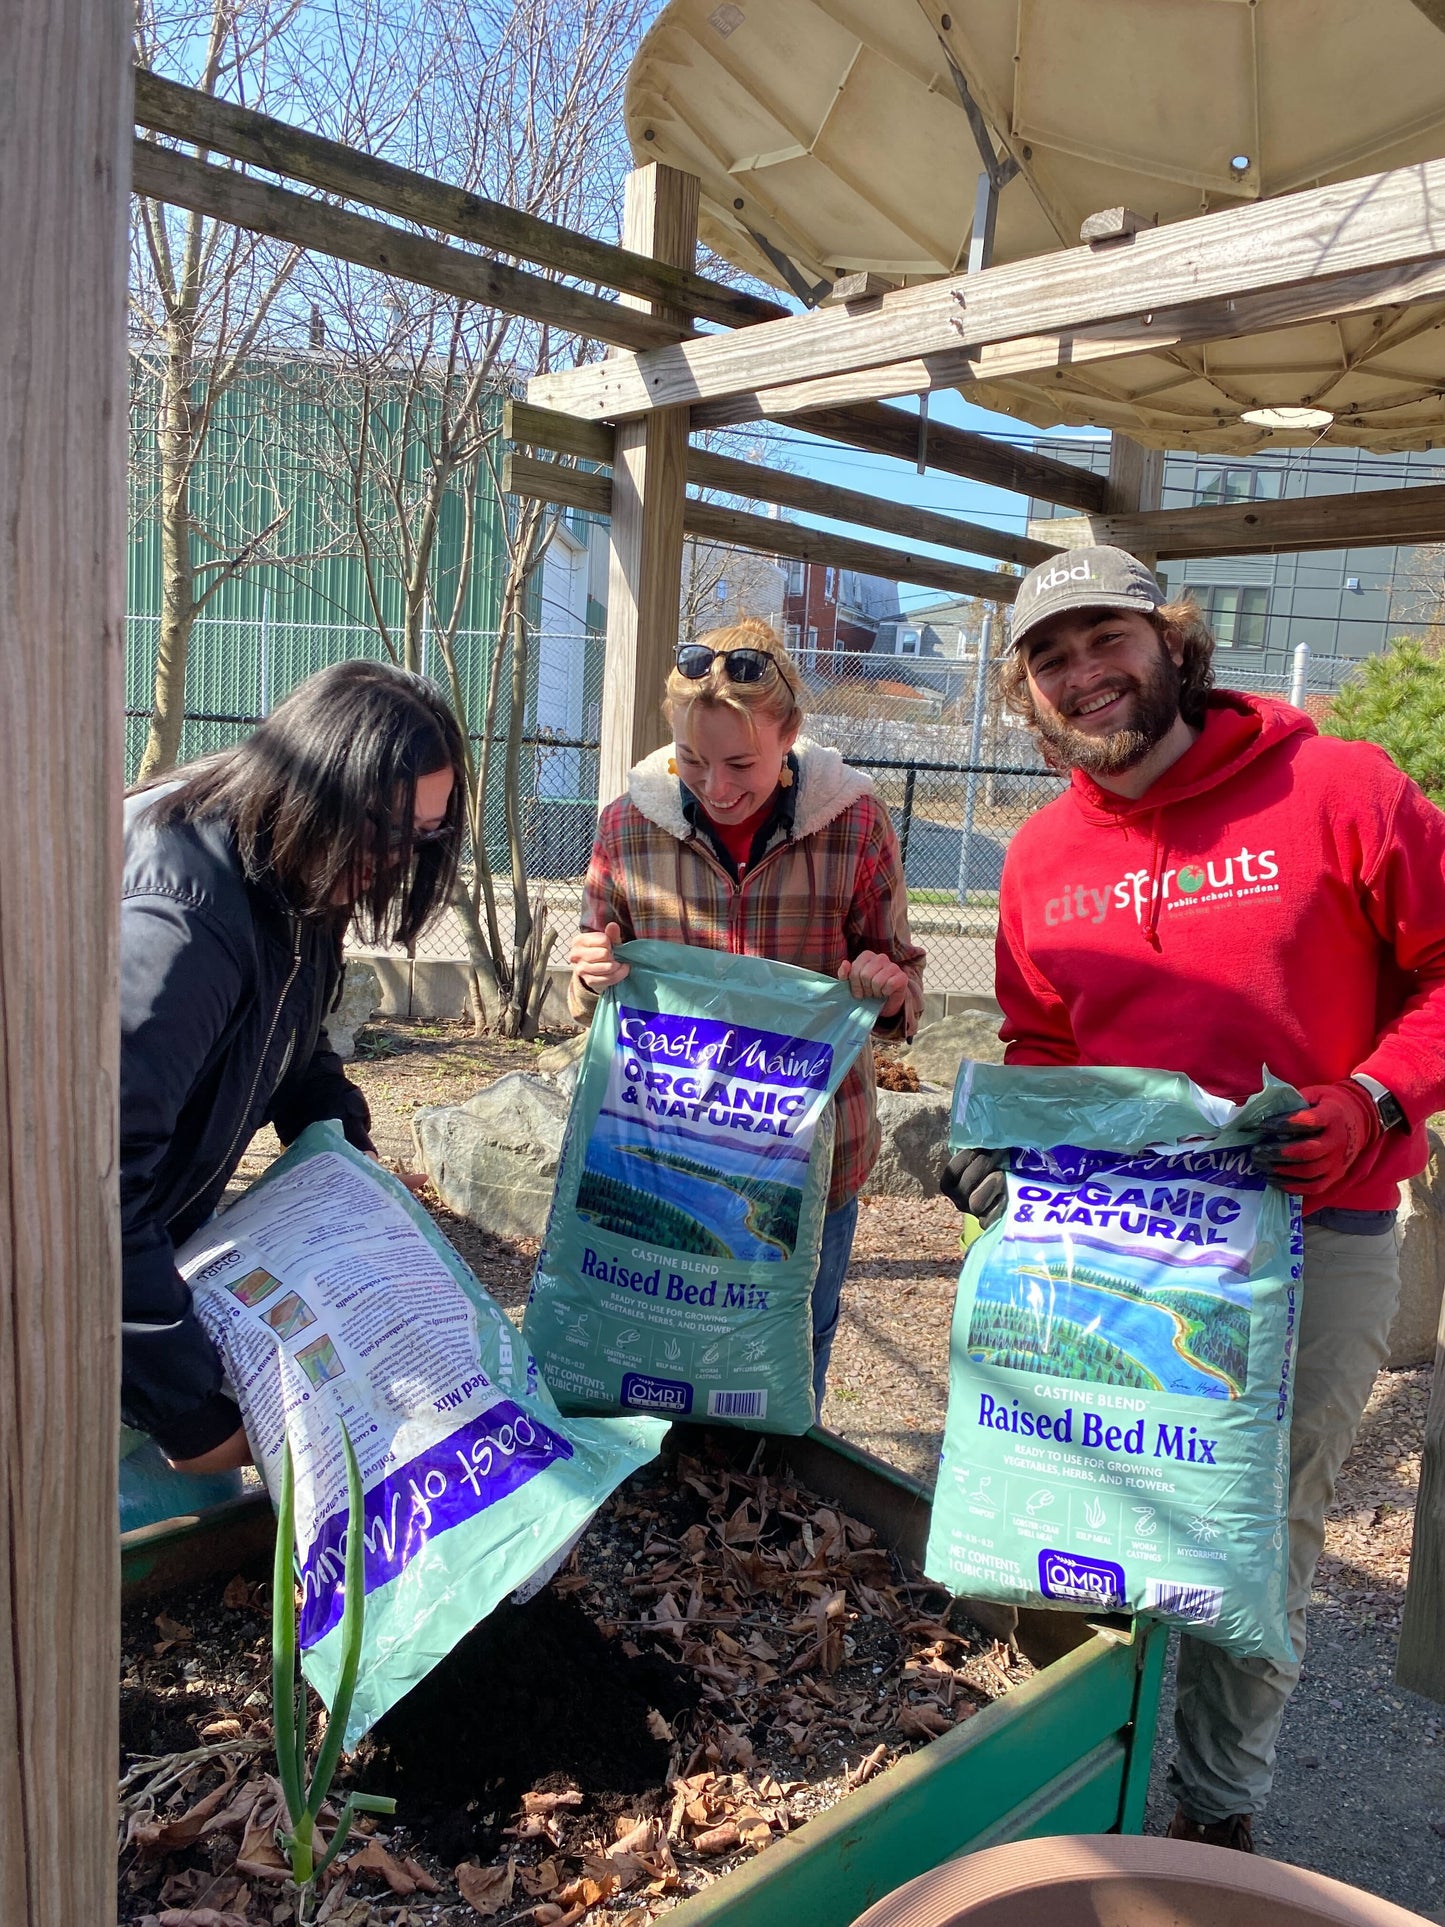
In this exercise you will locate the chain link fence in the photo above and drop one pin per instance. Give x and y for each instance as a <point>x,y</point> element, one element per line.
<point>958,774</point>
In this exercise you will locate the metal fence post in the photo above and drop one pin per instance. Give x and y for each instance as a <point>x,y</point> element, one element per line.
<point>909,783</point>
<point>1299,687</point>
<point>975,751</point>
<point>263,670</point>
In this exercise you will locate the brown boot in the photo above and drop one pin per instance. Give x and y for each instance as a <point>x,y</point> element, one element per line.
<point>1236,1832</point>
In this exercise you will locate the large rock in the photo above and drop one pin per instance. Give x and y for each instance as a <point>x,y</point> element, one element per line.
<point>938,1049</point>
<point>561,1061</point>
<point>361,999</point>
<point>915,1143</point>
<point>1421,1226</point>
<point>494,1159</point>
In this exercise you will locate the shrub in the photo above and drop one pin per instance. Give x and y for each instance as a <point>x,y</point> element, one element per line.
<point>1398,701</point>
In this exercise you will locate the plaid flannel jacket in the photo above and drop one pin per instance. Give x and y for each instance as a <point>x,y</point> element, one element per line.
<point>828,887</point>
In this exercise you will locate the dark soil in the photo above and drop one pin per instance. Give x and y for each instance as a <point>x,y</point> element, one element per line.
<point>534,1698</point>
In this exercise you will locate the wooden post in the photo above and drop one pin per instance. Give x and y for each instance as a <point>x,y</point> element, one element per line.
<point>64,176</point>
<point>1420,1660</point>
<point>644,578</point>
<point>1136,483</point>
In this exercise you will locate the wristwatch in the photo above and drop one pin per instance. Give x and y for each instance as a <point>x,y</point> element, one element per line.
<point>1387,1105</point>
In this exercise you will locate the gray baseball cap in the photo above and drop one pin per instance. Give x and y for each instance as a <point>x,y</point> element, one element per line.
<point>1101,578</point>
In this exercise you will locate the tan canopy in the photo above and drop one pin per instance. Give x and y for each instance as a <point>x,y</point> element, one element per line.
<point>834,136</point>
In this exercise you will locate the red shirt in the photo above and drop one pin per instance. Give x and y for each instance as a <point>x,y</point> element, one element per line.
<point>738,838</point>
<point>1276,898</point>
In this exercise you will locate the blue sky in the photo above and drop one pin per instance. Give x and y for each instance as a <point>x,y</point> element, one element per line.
<point>895,481</point>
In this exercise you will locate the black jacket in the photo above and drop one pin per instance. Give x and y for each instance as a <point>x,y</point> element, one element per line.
<point>223,995</point>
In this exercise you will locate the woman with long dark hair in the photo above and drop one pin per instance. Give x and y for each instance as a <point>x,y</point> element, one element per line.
<point>242,874</point>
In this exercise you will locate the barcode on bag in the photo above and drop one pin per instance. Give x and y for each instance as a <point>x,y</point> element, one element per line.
<point>737,1405</point>
<point>1195,1605</point>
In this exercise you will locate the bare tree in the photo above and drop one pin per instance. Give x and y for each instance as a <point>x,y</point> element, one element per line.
<point>523,106</point>
<point>206,297</point>
<point>722,585</point>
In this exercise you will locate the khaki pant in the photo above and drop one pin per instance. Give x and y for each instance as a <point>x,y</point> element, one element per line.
<point>1228,1713</point>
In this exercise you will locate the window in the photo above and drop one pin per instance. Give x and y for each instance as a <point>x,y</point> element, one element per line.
<point>1220,485</point>
<point>790,637</point>
<point>1236,615</point>
<point>830,577</point>
<point>795,578</point>
<point>812,645</point>
<point>907,642</point>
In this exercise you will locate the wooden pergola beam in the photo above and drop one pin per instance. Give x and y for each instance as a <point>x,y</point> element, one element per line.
<point>578,488</point>
<point>179,179</point>
<point>1375,518</point>
<point>1357,226</point>
<point>880,430</point>
<point>64,159</point>
<point>240,133</point>
<point>1155,332</point>
<point>953,451</point>
<point>645,533</point>
<point>592,441</point>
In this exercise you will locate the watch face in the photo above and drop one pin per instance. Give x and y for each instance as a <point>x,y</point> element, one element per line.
<point>1392,1115</point>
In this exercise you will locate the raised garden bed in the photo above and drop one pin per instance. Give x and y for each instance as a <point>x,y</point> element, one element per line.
<point>732,1653</point>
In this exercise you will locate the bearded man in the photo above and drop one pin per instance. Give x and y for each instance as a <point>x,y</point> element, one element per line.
<point>1221,888</point>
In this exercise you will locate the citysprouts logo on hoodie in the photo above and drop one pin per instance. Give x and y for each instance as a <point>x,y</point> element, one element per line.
<point>1187,886</point>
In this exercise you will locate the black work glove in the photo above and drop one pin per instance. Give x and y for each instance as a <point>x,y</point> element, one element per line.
<point>974,1181</point>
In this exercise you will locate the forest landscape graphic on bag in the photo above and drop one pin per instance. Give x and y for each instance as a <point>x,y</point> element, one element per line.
<point>702,1141</point>
<point>1077,1301</point>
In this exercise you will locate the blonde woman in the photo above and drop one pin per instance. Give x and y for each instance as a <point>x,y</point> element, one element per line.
<point>745,836</point>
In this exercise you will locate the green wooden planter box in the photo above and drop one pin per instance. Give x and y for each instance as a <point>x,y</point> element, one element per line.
<point>1068,1752</point>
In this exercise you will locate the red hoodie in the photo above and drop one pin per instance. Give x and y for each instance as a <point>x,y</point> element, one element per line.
<point>1275,898</point>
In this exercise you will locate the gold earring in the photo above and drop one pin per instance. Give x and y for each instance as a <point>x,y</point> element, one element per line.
<point>785,778</point>
<point>672,766</point>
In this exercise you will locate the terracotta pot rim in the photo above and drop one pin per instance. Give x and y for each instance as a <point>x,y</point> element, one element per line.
<point>949,1893</point>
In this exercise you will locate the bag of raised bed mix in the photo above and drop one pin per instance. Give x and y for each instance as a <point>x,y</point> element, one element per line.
<point>1120,1375</point>
<point>334,1298</point>
<point>677,1271</point>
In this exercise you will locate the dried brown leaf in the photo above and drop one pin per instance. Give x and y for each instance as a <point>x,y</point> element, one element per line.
<point>549,1802</point>
<point>486,1890</point>
<point>539,1880</point>
<point>718,1839</point>
<point>374,1859</point>
<point>421,1879</point>
<point>200,1917</point>
<point>169,1836</point>
<point>923,1722</point>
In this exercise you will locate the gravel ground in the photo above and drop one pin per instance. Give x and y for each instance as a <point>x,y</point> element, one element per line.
<point>1361,1788</point>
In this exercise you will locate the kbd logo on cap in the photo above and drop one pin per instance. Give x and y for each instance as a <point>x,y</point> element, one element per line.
<point>1061,573</point>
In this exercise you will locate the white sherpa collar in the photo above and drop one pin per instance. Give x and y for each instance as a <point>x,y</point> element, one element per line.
<point>826,787</point>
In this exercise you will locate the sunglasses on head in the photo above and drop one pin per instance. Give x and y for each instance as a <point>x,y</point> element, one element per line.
<point>695,659</point>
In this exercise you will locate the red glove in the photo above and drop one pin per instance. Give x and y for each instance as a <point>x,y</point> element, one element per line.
<point>1316,1148</point>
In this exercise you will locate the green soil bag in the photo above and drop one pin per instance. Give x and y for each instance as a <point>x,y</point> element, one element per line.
<point>1120,1377</point>
<point>332,1297</point>
<point>677,1272</point>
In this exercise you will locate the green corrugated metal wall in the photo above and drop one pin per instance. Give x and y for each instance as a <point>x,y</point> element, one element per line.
<point>276,442</point>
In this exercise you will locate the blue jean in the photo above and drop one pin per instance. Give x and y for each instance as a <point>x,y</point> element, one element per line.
<point>833,1256</point>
